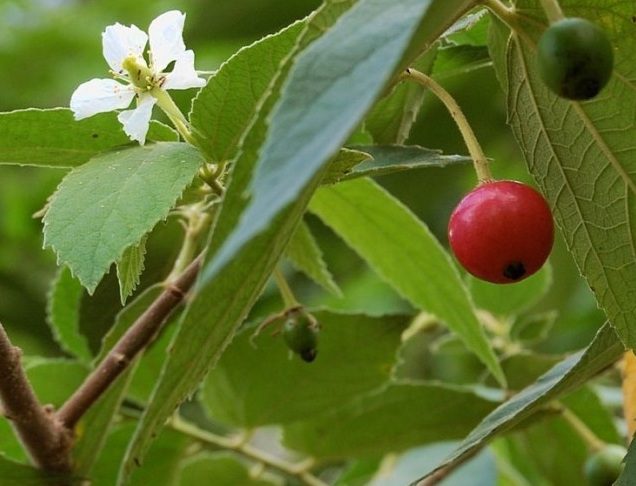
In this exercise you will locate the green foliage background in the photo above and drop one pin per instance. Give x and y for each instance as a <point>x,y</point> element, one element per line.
<point>48,47</point>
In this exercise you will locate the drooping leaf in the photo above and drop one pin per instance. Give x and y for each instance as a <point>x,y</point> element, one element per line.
<point>108,204</point>
<point>224,467</point>
<point>396,418</point>
<point>404,253</point>
<point>356,354</point>
<point>581,153</point>
<point>306,255</point>
<point>378,37</point>
<point>129,269</point>
<point>222,303</point>
<point>64,299</point>
<point>565,376</point>
<point>388,159</point>
<point>52,138</point>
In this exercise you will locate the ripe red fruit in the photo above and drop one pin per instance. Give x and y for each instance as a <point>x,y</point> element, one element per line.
<point>502,231</point>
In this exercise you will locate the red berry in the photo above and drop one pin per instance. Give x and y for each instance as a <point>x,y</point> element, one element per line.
<point>502,231</point>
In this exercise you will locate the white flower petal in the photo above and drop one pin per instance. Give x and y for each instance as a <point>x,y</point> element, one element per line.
<point>136,122</point>
<point>120,41</point>
<point>100,95</point>
<point>166,39</point>
<point>183,76</point>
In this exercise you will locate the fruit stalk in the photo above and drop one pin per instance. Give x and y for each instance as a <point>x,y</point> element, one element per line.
<point>480,162</point>
<point>552,10</point>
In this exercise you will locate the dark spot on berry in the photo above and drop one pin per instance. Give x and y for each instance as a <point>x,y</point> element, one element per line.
<point>634,19</point>
<point>95,135</point>
<point>514,271</point>
<point>308,355</point>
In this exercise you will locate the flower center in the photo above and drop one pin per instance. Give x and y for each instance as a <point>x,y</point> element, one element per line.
<point>140,74</point>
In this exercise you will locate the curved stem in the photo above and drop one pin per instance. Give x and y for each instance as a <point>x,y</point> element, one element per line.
<point>505,13</point>
<point>286,293</point>
<point>166,103</point>
<point>479,159</point>
<point>197,222</point>
<point>299,470</point>
<point>552,10</point>
<point>589,437</point>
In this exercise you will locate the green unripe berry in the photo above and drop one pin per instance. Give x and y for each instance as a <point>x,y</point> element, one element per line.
<point>575,58</point>
<point>301,336</point>
<point>603,467</point>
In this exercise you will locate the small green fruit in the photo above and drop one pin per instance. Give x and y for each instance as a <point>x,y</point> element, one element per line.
<point>575,58</point>
<point>603,467</point>
<point>301,337</point>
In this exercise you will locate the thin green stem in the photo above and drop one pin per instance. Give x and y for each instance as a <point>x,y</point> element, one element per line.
<point>198,221</point>
<point>552,10</point>
<point>479,159</point>
<point>505,13</point>
<point>300,470</point>
<point>285,290</point>
<point>166,103</point>
<point>589,437</point>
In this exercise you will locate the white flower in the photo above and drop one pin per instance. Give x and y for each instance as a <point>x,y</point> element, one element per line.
<point>123,48</point>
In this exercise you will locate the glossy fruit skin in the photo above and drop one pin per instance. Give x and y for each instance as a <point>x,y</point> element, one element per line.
<point>301,337</point>
<point>502,231</point>
<point>603,468</point>
<point>575,58</point>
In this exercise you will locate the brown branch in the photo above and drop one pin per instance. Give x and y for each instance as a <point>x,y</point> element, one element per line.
<point>47,441</point>
<point>140,334</point>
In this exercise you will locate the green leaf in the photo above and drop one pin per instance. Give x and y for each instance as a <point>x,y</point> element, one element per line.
<point>225,108</point>
<point>64,299</point>
<point>108,204</point>
<point>356,354</point>
<point>628,476</point>
<point>343,73</point>
<point>398,417</point>
<point>16,474</point>
<point>100,417</point>
<point>403,252</point>
<point>393,116</point>
<point>224,467</point>
<point>162,464</point>
<point>471,30</point>
<point>566,376</point>
<point>343,164</point>
<point>306,255</point>
<point>388,159</point>
<point>458,60</point>
<point>129,269</point>
<point>534,328</point>
<point>510,299</point>
<point>52,138</point>
<point>222,303</point>
<point>581,153</point>
<point>54,379</point>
